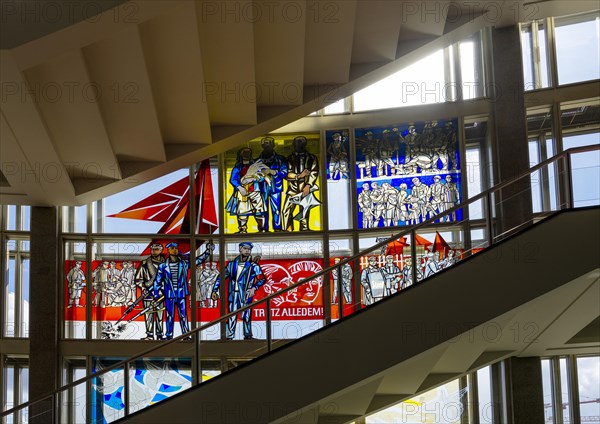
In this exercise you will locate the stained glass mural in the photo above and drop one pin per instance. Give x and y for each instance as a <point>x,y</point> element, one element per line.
<point>407,173</point>
<point>386,272</point>
<point>150,381</point>
<point>170,205</point>
<point>273,184</point>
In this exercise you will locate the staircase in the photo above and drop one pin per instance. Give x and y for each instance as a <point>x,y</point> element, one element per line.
<point>492,306</point>
<point>98,97</point>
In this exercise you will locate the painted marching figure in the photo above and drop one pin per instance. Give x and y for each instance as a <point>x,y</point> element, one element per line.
<point>452,197</point>
<point>365,205</point>
<point>128,280</point>
<point>100,278</point>
<point>247,198</point>
<point>206,279</point>
<point>437,204</point>
<point>407,279</point>
<point>244,276</point>
<point>391,275</point>
<point>303,171</point>
<point>172,280</point>
<point>144,279</point>
<point>431,265</point>
<point>111,298</point>
<point>272,186</point>
<point>369,275</point>
<point>420,199</point>
<point>346,282</point>
<point>338,158</point>
<point>76,283</point>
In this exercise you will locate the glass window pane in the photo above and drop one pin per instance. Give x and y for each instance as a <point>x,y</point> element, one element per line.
<point>585,169</point>
<point>444,404</point>
<point>588,376</point>
<point>528,72</point>
<point>536,193</point>
<point>484,391</point>
<point>74,219</point>
<point>24,328</point>
<point>473,156</point>
<point>25,217</point>
<point>9,290</point>
<point>543,58</point>
<point>337,107</point>
<point>9,382</point>
<point>468,72</point>
<point>565,389</point>
<point>423,82</point>
<point>547,389</point>
<point>11,220</point>
<point>578,49</point>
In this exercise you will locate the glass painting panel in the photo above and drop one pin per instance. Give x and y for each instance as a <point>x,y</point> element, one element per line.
<point>273,184</point>
<point>407,173</point>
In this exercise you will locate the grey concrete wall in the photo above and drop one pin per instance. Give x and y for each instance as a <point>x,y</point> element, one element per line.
<point>511,154</point>
<point>43,309</point>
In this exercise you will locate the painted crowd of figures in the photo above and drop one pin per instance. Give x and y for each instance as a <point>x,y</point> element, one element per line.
<point>378,282</point>
<point>388,206</point>
<point>258,187</point>
<point>394,153</point>
<point>159,288</point>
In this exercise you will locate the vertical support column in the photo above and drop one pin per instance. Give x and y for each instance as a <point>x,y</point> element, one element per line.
<point>513,205</point>
<point>526,396</point>
<point>43,310</point>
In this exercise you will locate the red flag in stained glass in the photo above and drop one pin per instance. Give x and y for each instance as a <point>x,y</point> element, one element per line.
<point>396,247</point>
<point>171,205</point>
<point>440,245</point>
<point>422,241</point>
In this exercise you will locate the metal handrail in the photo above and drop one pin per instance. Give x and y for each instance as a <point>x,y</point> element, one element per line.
<point>412,230</point>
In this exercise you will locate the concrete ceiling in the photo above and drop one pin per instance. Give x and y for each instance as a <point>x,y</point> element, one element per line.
<point>96,93</point>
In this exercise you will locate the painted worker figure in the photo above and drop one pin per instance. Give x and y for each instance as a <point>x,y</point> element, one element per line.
<point>172,280</point>
<point>338,158</point>
<point>303,171</point>
<point>76,282</point>
<point>391,276</point>
<point>370,276</point>
<point>100,278</point>
<point>346,282</point>
<point>144,279</point>
<point>247,199</point>
<point>244,276</point>
<point>272,186</point>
